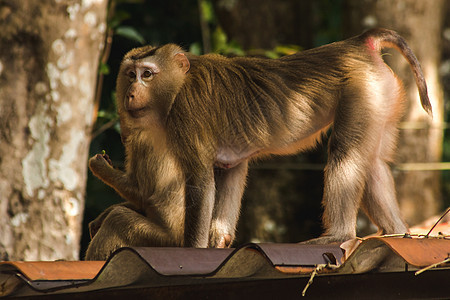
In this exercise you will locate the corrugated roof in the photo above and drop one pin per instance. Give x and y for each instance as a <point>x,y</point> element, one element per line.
<point>254,271</point>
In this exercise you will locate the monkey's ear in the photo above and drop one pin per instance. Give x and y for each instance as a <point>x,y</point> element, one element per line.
<point>183,62</point>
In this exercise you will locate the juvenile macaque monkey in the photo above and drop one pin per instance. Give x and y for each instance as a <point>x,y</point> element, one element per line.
<point>190,124</point>
<point>154,216</point>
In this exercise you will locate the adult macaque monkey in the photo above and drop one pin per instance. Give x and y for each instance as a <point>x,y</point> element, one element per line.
<point>190,125</point>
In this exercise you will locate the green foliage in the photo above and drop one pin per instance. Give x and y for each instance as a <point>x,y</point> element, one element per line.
<point>195,48</point>
<point>222,45</point>
<point>108,117</point>
<point>277,52</point>
<point>107,114</point>
<point>207,11</point>
<point>103,69</point>
<point>329,18</point>
<point>117,18</point>
<point>130,33</point>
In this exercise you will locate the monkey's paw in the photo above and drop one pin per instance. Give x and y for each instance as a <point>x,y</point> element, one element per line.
<point>99,164</point>
<point>221,234</point>
<point>106,157</point>
<point>225,241</point>
<point>221,241</point>
<point>100,160</point>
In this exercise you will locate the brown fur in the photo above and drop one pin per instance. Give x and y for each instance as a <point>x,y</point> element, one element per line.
<point>199,112</point>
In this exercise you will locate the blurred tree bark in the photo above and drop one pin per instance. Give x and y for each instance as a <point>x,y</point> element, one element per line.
<point>421,24</point>
<point>49,52</point>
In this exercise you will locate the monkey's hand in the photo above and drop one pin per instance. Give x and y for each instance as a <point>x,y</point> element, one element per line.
<point>100,162</point>
<point>106,157</point>
<point>101,167</point>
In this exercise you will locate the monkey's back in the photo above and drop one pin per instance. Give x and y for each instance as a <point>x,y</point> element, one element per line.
<point>252,99</point>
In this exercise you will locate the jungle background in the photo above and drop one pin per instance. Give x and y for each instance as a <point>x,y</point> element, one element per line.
<point>283,195</point>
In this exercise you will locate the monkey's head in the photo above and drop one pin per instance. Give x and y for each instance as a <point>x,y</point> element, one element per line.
<point>148,81</point>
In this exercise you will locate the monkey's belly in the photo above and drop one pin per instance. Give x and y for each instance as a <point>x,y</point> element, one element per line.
<point>228,157</point>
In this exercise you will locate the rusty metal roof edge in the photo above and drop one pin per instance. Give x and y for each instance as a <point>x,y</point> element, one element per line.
<point>276,254</point>
<point>419,252</point>
<point>112,273</point>
<point>267,251</point>
<point>129,266</point>
<point>296,254</point>
<point>395,253</point>
<point>56,270</point>
<point>181,268</point>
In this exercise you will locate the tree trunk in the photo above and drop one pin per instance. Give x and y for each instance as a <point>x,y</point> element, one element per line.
<point>420,23</point>
<point>49,53</point>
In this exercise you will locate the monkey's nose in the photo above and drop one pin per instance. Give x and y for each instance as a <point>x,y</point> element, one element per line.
<point>130,100</point>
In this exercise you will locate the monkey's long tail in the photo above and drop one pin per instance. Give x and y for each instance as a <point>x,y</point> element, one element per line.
<point>379,38</point>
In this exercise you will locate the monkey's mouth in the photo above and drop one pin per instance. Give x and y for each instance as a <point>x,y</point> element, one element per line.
<point>138,112</point>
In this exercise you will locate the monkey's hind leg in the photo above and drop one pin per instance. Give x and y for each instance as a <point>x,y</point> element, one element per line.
<point>351,147</point>
<point>125,227</point>
<point>380,203</point>
<point>95,225</point>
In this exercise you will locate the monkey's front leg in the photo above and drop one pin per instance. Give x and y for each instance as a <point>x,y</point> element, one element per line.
<point>230,184</point>
<point>199,207</point>
<point>101,167</point>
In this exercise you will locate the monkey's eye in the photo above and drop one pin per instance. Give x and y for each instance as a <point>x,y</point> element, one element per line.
<point>131,74</point>
<point>147,74</point>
